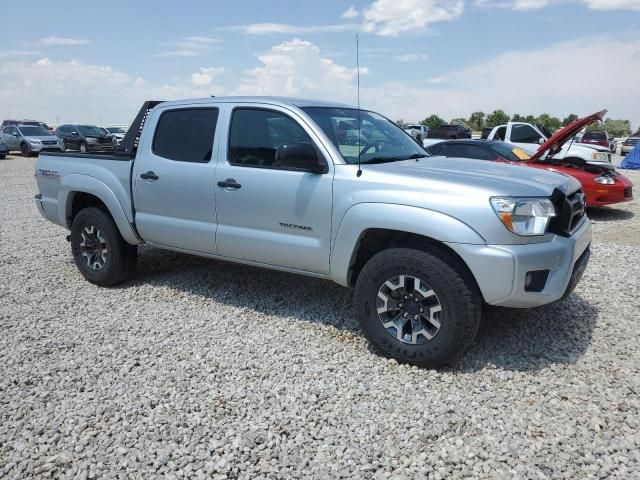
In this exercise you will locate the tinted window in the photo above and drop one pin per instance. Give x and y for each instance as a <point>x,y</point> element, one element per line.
<point>436,149</point>
<point>468,151</point>
<point>29,131</point>
<point>500,133</point>
<point>256,135</point>
<point>594,136</point>
<point>186,135</point>
<point>524,134</point>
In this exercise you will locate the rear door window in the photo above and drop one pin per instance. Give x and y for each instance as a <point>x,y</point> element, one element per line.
<point>186,134</point>
<point>524,134</point>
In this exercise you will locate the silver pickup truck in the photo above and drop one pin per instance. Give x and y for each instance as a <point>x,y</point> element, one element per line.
<point>275,182</point>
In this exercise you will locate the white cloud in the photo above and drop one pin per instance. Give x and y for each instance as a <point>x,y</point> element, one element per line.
<point>411,57</point>
<point>189,47</point>
<point>50,41</point>
<point>68,91</point>
<point>18,53</point>
<point>206,75</point>
<point>514,4</point>
<point>296,68</point>
<point>554,79</point>
<point>283,28</point>
<point>393,17</point>
<point>351,12</point>
<point>613,4</point>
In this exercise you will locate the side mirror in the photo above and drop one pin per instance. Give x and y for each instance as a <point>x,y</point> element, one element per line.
<point>300,156</point>
<point>541,141</point>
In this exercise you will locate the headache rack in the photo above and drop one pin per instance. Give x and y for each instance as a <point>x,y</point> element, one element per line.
<point>129,144</point>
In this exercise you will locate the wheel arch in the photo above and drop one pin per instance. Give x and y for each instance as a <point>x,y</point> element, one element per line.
<point>81,191</point>
<point>367,229</point>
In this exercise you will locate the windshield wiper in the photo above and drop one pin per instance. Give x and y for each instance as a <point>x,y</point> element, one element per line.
<point>415,156</point>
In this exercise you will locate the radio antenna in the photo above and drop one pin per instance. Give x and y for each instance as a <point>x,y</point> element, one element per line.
<point>358,90</point>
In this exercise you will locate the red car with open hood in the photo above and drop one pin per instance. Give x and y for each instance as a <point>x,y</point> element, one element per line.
<point>601,183</point>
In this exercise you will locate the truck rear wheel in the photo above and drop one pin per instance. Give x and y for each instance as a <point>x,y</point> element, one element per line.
<point>99,251</point>
<point>414,307</point>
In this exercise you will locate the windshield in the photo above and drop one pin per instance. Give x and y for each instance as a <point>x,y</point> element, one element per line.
<point>90,130</point>
<point>378,139</point>
<point>115,130</point>
<point>594,136</point>
<point>413,127</point>
<point>510,152</point>
<point>29,131</point>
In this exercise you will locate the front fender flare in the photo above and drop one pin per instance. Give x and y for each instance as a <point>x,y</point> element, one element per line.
<point>420,221</point>
<point>76,183</point>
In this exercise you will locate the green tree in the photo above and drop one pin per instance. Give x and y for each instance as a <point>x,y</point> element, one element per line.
<point>569,119</point>
<point>402,124</point>
<point>517,118</point>
<point>432,121</point>
<point>476,121</point>
<point>552,123</point>
<point>460,121</point>
<point>495,118</point>
<point>530,119</point>
<point>617,128</point>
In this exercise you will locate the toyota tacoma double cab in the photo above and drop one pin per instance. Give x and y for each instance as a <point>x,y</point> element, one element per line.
<point>424,241</point>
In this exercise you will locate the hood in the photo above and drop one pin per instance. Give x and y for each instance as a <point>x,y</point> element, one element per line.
<point>44,138</point>
<point>494,177</point>
<point>558,139</point>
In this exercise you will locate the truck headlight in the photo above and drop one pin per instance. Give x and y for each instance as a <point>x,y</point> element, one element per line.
<point>604,180</point>
<point>600,156</point>
<point>524,216</point>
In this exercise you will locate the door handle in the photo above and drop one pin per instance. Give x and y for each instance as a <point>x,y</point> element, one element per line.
<point>149,176</point>
<point>229,183</point>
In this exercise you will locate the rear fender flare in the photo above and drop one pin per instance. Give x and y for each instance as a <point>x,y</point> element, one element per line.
<point>75,183</point>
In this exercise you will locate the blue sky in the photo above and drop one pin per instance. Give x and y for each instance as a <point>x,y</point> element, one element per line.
<point>418,57</point>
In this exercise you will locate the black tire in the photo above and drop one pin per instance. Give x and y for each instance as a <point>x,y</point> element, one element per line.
<point>82,147</point>
<point>460,302</point>
<point>120,257</point>
<point>24,149</point>
<point>2,156</point>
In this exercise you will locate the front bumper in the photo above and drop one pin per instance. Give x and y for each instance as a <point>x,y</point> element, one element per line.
<point>39,147</point>
<point>100,147</point>
<point>501,270</point>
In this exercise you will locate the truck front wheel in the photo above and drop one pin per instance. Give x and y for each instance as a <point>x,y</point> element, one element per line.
<point>415,307</point>
<point>99,251</point>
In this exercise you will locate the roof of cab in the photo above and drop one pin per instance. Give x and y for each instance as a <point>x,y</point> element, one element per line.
<point>297,102</point>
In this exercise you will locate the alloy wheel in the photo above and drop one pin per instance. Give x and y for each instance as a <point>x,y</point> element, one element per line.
<point>409,309</point>
<point>93,247</point>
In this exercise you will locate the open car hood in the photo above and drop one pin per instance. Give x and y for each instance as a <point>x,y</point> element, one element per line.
<point>558,139</point>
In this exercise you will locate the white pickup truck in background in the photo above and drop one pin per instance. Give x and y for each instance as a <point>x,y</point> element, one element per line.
<point>418,132</point>
<point>529,137</point>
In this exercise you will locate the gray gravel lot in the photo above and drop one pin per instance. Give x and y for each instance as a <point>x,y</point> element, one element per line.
<point>202,369</point>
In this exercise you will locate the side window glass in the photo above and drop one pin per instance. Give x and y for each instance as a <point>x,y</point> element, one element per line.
<point>186,135</point>
<point>256,135</point>
<point>501,133</point>
<point>479,153</point>
<point>437,149</point>
<point>524,134</point>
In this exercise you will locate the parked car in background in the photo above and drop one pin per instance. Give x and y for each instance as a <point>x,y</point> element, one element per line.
<point>629,144</point>
<point>418,132</point>
<point>4,150</point>
<point>117,132</point>
<point>602,184</point>
<point>529,137</point>
<point>30,139</point>
<point>34,123</point>
<point>268,182</point>
<point>86,138</point>
<point>595,137</point>
<point>448,132</point>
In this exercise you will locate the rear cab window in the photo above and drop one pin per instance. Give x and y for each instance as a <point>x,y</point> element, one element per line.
<point>186,134</point>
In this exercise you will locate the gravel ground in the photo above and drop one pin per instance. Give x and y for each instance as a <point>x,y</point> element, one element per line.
<point>202,369</point>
